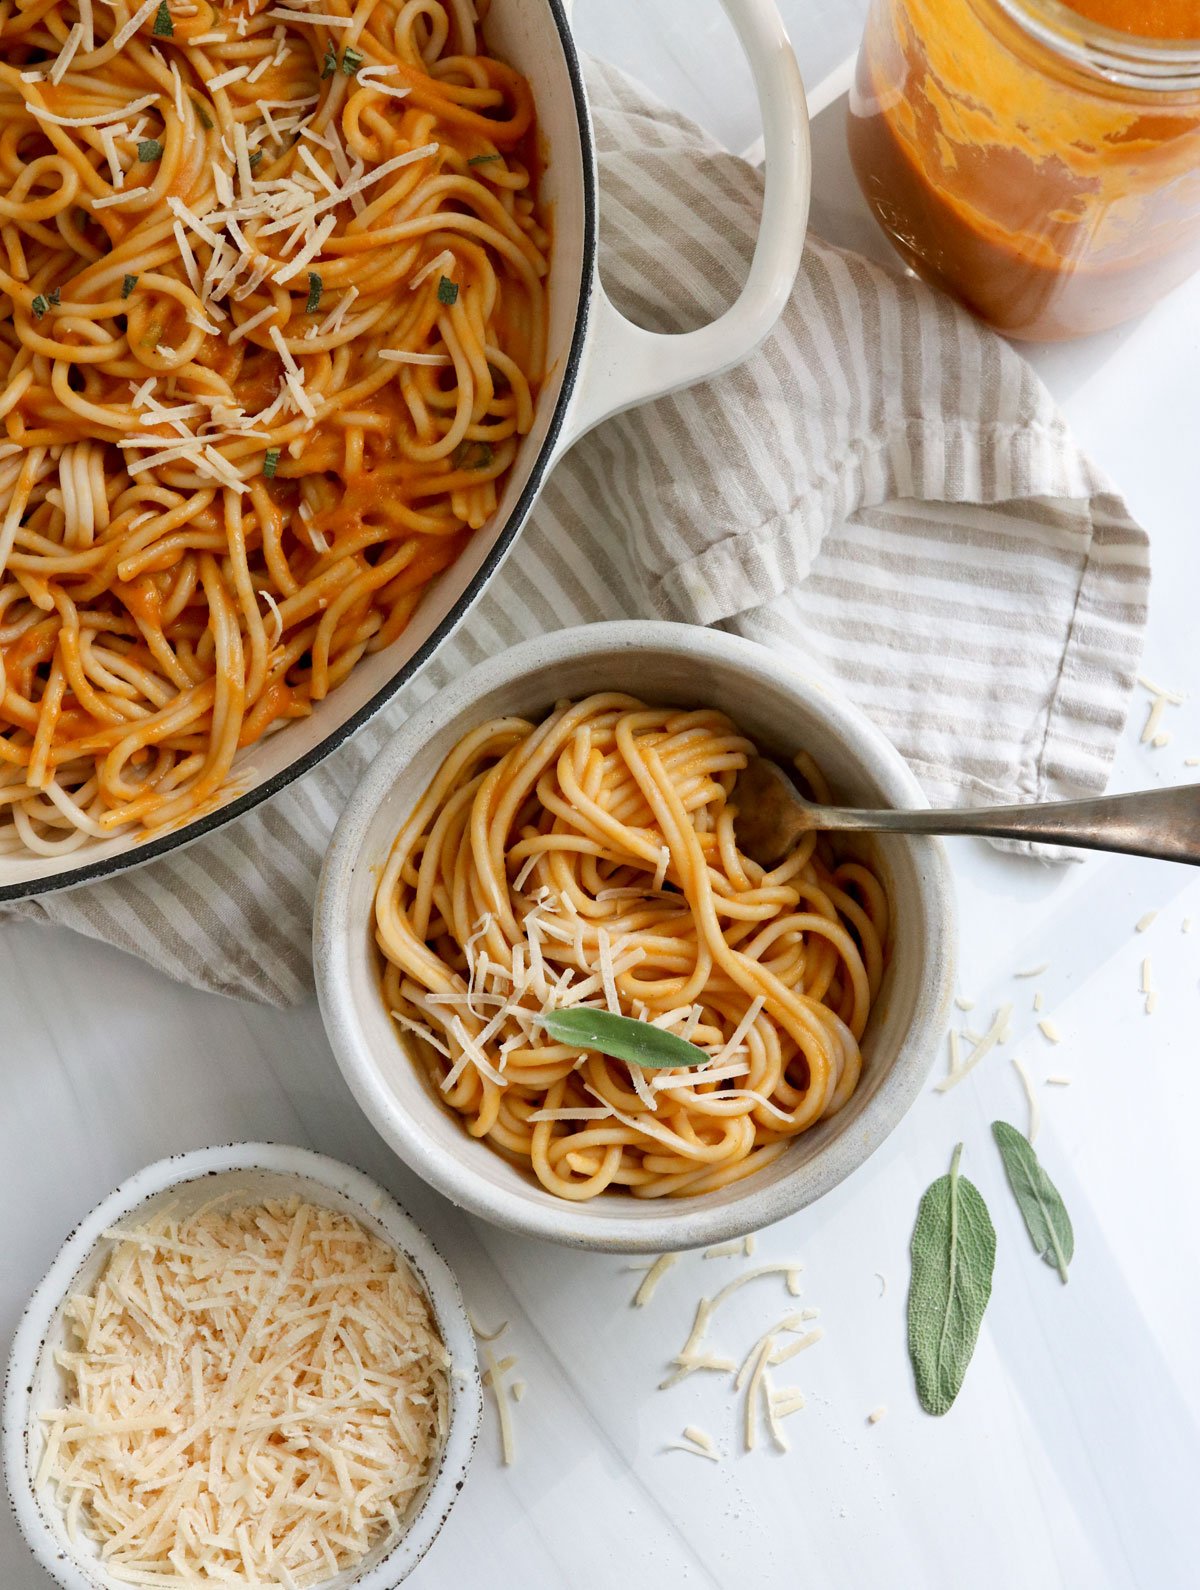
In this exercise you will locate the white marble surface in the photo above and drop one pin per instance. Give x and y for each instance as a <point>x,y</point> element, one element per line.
<point>1073,1456</point>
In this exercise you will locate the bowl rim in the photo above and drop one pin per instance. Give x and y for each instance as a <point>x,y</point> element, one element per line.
<point>689,1224</point>
<point>377,1205</point>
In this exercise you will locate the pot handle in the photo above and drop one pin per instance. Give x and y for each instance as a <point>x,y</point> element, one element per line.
<point>624,364</point>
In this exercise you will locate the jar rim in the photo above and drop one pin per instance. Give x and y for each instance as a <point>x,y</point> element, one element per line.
<point>1130,60</point>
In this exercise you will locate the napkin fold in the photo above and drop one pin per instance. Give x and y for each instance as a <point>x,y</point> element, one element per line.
<point>885,493</point>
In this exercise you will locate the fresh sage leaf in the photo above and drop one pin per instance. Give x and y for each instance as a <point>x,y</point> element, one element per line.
<point>953,1255</point>
<point>622,1037</point>
<point>1038,1199</point>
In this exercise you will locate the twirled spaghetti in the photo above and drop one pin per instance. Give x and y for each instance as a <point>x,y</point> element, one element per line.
<point>271,327</point>
<point>592,859</point>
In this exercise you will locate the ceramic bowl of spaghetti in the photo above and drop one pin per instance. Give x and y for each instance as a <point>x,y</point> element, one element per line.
<point>300,305</point>
<point>246,1366</point>
<point>566,998</point>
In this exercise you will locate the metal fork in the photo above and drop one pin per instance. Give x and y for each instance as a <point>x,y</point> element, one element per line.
<point>772,816</point>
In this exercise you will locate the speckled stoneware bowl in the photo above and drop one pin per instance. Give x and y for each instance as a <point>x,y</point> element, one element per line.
<point>258,1170</point>
<point>784,710</point>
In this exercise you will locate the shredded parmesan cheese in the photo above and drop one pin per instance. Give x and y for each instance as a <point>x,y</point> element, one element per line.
<point>482,1332</point>
<point>653,1276</point>
<point>696,1441</point>
<point>258,1396</point>
<point>1146,921</point>
<point>729,1250</point>
<point>690,1358</point>
<point>494,1378</point>
<point>1049,1030</point>
<point>1035,1109</point>
<point>996,1033</point>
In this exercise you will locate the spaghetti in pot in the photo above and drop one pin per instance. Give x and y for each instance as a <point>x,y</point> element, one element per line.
<point>592,859</point>
<point>271,326</point>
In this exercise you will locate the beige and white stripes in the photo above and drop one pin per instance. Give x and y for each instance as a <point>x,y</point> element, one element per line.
<point>884,492</point>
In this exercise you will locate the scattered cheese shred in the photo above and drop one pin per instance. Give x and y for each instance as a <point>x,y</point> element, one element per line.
<point>696,1441</point>
<point>1186,925</point>
<point>1049,1030</point>
<point>258,1395</point>
<point>689,1358</point>
<point>1035,1109</point>
<point>494,1378</point>
<point>1145,921</point>
<point>781,1354</point>
<point>1161,699</point>
<point>963,1003</point>
<point>877,1413</point>
<point>1147,985</point>
<point>1034,971</point>
<point>1038,1001</point>
<point>728,1250</point>
<point>482,1332</point>
<point>765,1348</point>
<point>1058,1082</point>
<point>996,1033</point>
<point>65,56</point>
<point>653,1276</point>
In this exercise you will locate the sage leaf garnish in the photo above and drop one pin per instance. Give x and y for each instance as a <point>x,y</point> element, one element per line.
<point>953,1254</point>
<point>447,290</point>
<point>163,27</point>
<point>1038,1199</point>
<point>622,1037</point>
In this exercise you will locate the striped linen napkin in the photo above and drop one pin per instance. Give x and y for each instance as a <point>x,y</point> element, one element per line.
<point>885,494</point>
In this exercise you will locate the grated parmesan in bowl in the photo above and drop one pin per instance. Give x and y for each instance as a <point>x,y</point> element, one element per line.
<point>246,1366</point>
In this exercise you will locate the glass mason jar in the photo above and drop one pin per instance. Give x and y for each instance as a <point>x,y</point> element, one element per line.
<point>1042,166</point>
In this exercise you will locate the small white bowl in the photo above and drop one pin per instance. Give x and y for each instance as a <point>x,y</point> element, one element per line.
<point>261,1170</point>
<point>783,710</point>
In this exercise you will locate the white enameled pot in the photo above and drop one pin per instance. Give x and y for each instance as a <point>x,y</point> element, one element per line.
<point>599,364</point>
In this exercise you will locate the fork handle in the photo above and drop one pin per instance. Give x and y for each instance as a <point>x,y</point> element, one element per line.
<point>1163,823</point>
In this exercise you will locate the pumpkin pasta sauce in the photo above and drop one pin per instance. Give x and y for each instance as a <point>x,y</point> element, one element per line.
<point>1048,203</point>
<point>1149,19</point>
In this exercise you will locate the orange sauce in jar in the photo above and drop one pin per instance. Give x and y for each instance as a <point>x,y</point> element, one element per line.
<point>1040,161</point>
<point>1150,19</point>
